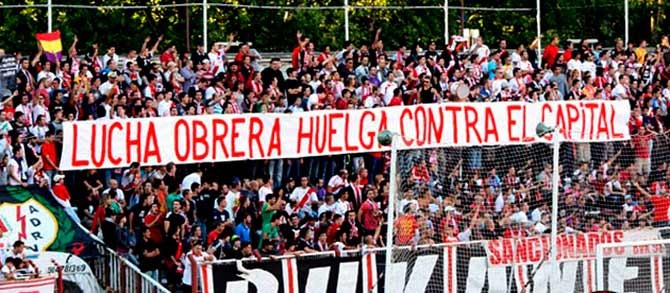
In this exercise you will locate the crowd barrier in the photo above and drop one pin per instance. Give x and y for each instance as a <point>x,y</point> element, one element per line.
<point>117,274</point>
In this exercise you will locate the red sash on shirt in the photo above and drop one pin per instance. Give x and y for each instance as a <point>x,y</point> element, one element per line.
<point>303,200</point>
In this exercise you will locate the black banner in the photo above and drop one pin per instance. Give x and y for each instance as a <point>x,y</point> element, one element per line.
<point>435,269</point>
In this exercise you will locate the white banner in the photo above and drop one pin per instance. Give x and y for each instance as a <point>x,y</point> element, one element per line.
<point>39,285</point>
<point>571,247</point>
<point>218,138</point>
<point>75,269</point>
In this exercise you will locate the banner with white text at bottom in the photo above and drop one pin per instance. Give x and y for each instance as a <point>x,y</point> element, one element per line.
<point>453,268</point>
<point>220,138</point>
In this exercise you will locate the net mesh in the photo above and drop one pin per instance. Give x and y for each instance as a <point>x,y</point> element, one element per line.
<point>634,267</point>
<point>489,207</point>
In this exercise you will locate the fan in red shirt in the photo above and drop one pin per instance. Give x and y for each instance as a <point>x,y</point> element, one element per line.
<point>406,226</point>
<point>298,54</point>
<point>420,173</point>
<point>660,203</point>
<point>396,100</point>
<point>214,235</point>
<point>169,56</point>
<point>551,52</point>
<point>641,147</point>
<point>49,154</point>
<point>60,190</point>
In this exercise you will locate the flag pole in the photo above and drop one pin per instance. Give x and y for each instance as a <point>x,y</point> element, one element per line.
<point>48,15</point>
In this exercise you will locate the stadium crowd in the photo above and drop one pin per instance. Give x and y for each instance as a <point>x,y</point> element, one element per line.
<point>159,215</point>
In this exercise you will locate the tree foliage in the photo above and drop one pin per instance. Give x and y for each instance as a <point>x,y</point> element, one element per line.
<point>273,30</point>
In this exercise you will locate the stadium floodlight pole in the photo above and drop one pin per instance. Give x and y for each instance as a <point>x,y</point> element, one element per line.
<point>541,131</point>
<point>49,16</point>
<point>346,20</point>
<point>538,18</point>
<point>446,22</point>
<point>391,206</point>
<point>625,8</point>
<point>204,24</point>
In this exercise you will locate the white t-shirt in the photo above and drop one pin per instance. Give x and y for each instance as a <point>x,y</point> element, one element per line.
<point>231,198</point>
<point>574,64</point>
<point>326,208</point>
<point>313,100</point>
<point>525,65</point>
<point>13,164</point>
<point>118,196</point>
<point>386,89</point>
<point>190,179</point>
<point>41,110</point>
<point>482,51</point>
<point>336,181</point>
<point>298,194</point>
<point>620,92</point>
<point>341,207</point>
<point>519,217</point>
<point>500,203</point>
<point>164,108</point>
<point>186,278</point>
<point>263,193</point>
<point>590,67</point>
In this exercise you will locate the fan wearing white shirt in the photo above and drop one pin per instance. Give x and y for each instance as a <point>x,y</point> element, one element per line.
<point>337,182</point>
<point>342,205</point>
<point>115,192</point>
<point>621,91</point>
<point>233,197</point>
<point>265,189</point>
<point>386,88</point>
<point>328,206</point>
<point>589,66</point>
<point>481,50</point>
<point>199,256</point>
<point>164,105</point>
<point>575,63</point>
<point>190,179</point>
<point>304,197</point>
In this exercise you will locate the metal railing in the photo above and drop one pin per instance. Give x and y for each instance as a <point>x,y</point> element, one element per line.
<point>117,274</point>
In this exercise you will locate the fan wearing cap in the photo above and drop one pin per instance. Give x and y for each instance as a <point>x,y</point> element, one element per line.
<point>111,85</point>
<point>62,195</point>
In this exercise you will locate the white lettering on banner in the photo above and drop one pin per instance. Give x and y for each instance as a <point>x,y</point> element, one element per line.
<point>618,273</point>
<point>421,272</point>
<point>347,279</point>
<point>578,246</point>
<point>264,281</point>
<point>317,280</point>
<point>418,279</point>
<point>476,275</point>
<point>217,138</point>
<point>641,264</point>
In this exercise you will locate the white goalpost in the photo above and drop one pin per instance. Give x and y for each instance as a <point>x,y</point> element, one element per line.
<point>549,256</point>
<point>389,138</point>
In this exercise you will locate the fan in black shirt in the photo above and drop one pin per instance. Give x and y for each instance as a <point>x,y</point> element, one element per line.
<point>175,220</point>
<point>148,252</point>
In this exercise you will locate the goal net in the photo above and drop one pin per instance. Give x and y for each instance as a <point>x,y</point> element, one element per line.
<point>637,266</point>
<point>478,219</point>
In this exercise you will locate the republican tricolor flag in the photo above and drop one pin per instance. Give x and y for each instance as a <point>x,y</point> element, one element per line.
<point>51,45</point>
